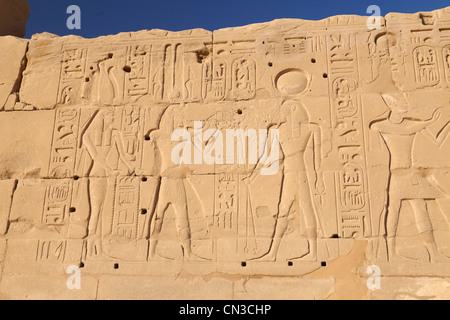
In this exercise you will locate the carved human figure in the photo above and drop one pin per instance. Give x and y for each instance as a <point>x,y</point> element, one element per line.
<point>296,133</point>
<point>67,95</point>
<point>100,139</point>
<point>172,182</point>
<point>379,53</point>
<point>406,183</point>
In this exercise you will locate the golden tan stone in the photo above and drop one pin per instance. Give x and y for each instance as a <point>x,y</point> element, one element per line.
<point>162,288</point>
<point>285,160</point>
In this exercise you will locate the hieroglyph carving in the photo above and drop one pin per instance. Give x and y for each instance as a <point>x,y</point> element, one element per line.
<point>296,133</point>
<point>248,147</point>
<point>426,64</point>
<point>351,181</point>
<point>446,54</point>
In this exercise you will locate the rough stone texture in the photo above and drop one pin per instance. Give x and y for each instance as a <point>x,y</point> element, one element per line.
<point>413,289</point>
<point>284,289</point>
<point>12,64</point>
<point>45,287</point>
<point>162,288</point>
<point>355,204</point>
<point>13,17</point>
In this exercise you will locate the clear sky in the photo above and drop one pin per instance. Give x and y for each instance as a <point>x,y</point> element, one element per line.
<point>103,17</point>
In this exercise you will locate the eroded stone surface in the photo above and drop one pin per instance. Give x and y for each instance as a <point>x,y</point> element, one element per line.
<point>284,160</point>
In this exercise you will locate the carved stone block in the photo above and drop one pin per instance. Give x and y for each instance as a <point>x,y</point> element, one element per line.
<point>267,157</point>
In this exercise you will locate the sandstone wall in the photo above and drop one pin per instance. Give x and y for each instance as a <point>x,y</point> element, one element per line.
<point>360,184</point>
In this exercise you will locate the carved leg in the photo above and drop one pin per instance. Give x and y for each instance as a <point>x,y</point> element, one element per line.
<point>393,215</point>
<point>281,227</point>
<point>162,206</point>
<point>426,230</point>
<point>289,190</point>
<point>98,188</point>
<point>310,218</point>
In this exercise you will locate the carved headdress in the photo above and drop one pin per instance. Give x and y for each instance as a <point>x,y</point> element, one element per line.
<point>398,101</point>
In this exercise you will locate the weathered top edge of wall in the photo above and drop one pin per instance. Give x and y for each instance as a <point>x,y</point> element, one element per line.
<point>439,15</point>
<point>52,61</point>
<point>154,34</point>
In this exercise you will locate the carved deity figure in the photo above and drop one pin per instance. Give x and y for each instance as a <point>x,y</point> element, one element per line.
<point>172,190</point>
<point>406,183</point>
<point>296,134</point>
<point>102,141</point>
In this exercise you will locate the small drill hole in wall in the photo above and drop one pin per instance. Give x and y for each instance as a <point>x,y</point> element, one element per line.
<point>81,265</point>
<point>116,266</point>
<point>239,111</point>
<point>127,69</point>
<point>290,264</point>
<point>76,178</point>
<point>110,55</point>
<point>243,264</point>
<point>270,64</point>
<point>325,75</point>
<point>144,179</point>
<point>87,80</point>
<point>72,210</point>
<point>323,264</point>
<point>147,138</point>
<point>313,60</point>
<point>335,236</point>
<point>144,212</point>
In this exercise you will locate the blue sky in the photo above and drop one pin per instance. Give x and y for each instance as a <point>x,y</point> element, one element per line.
<point>103,17</point>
